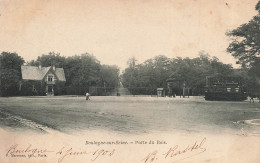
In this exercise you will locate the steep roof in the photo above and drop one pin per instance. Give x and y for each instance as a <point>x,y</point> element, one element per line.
<point>36,73</point>
<point>60,74</point>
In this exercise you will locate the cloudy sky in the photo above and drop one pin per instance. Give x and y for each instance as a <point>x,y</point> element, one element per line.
<point>115,30</point>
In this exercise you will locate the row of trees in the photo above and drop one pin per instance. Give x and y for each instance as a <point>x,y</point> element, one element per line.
<point>82,72</point>
<point>146,77</point>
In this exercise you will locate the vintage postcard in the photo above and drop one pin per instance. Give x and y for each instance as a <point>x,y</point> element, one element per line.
<point>120,81</point>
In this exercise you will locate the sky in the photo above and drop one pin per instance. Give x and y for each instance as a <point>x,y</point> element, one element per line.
<point>116,30</point>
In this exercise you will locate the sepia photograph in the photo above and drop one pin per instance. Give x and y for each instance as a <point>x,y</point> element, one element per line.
<point>130,81</point>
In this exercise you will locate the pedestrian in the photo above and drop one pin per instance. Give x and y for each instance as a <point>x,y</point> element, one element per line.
<point>87,96</point>
<point>251,97</point>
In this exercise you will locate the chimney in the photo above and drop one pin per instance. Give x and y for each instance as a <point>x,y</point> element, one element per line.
<point>53,65</point>
<point>40,65</point>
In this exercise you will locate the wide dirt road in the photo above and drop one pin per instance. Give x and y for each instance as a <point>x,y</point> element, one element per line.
<point>131,115</point>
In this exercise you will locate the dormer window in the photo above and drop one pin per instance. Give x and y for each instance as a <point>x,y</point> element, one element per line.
<point>50,78</point>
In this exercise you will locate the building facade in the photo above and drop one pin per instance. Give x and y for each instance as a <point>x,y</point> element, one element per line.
<point>225,88</point>
<point>42,80</point>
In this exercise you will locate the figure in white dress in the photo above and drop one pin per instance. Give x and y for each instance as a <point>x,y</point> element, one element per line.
<point>87,96</point>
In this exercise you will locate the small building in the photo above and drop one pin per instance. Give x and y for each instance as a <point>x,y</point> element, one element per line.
<point>42,80</point>
<point>160,92</point>
<point>225,88</point>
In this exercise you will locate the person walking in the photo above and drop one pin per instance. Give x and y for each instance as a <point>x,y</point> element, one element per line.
<point>87,96</point>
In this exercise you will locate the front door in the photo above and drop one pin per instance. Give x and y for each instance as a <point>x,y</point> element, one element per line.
<point>50,89</point>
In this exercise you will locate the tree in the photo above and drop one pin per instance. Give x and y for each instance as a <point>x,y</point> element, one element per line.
<point>245,45</point>
<point>146,77</point>
<point>109,76</point>
<point>130,75</point>
<point>161,70</point>
<point>49,60</point>
<point>10,73</point>
<point>81,73</point>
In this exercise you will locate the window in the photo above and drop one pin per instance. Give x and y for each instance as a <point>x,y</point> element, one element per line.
<point>228,89</point>
<point>50,78</point>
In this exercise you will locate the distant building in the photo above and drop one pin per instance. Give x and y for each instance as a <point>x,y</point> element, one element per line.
<point>42,80</point>
<point>160,92</point>
<point>225,88</point>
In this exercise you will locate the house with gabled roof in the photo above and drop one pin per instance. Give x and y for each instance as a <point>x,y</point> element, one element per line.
<point>41,80</point>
